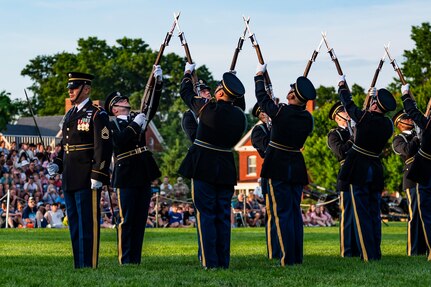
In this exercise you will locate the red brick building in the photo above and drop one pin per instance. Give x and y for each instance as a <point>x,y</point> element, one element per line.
<point>250,162</point>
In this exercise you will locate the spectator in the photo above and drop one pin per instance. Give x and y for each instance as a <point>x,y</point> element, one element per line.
<point>258,192</point>
<point>316,216</point>
<point>181,190</point>
<point>3,214</point>
<point>41,221</point>
<point>163,219</point>
<point>167,187</point>
<point>189,217</point>
<point>306,219</point>
<point>51,196</point>
<point>329,220</point>
<point>30,186</point>
<point>255,213</point>
<point>31,169</point>
<point>29,213</point>
<point>175,216</point>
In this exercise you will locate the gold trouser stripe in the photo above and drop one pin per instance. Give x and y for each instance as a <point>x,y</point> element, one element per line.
<point>198,219</point>
<point>409,243</point>
<point>120,229</point>
<point>268,227</point>
<point>342,223</point>
<point>277,222</point>
<point>95,228</point>
<point>358,224</point>
<point>423,224</point>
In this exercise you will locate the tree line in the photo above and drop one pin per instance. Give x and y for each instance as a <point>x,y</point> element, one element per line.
<point>126,65</point>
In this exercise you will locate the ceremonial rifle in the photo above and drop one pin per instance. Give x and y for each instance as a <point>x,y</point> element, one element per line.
<point>397,69</point>
<point>312,59</point>
<point>147,99</point>
<point>332,55</point>
<point>34,119</point>
<point>256,46</point>
<point>238,48</point>
<point>188,56</point>
<point>368,99</point>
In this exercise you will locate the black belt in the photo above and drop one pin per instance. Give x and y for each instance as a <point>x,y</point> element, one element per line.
<point>364,151</point>
<point>79,147</point>
<point>211,146</point>
<point>282,147</point>
<point>131,152</point>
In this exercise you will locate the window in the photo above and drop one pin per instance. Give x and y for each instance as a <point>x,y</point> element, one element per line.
<point>251,165</point>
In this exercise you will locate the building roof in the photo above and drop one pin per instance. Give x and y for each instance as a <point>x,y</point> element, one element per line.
<point>241,145</point>
<point>48,126</point>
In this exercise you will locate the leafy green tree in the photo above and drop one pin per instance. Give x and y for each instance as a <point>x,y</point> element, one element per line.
<point>7,109</point>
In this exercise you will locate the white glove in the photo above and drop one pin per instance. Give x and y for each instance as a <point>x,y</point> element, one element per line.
<point>189,67</point>
<point>260,68</point>
<point>52,168</point>
<point>158,73</point>
<point>95,184</point>
<point>372,92</point>
<point>342,79</point>
<point>140,119</point>
<point>405,89</point>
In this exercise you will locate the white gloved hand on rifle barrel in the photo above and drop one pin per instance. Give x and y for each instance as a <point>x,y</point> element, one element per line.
<point>260,68</point>
<point>158,73</point>
<point>189,67</point>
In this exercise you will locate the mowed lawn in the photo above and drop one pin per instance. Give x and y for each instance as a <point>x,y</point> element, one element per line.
<point>36,257</point>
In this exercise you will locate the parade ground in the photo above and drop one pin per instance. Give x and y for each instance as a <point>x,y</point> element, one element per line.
<point>43,257</point>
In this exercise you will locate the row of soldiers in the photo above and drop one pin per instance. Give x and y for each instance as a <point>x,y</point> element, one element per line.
<point>90,138</point>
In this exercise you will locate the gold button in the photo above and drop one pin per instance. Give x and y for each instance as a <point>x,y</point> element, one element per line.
<point>67,129</point>
<point>67,137</point>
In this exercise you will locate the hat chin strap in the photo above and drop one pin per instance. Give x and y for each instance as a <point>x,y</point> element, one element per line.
<point>79,94</point>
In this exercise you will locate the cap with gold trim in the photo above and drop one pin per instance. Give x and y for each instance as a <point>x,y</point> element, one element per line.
<point>385,101</point>
<point>232,86</point>
<point>77,79</point>
<point>256,110</point>
<point>112,99</point>
<point>399,116</point>
<point>304,89</point>
<point>335,109</point>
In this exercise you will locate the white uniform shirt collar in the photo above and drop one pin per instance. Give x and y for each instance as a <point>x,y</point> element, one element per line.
<point>81,105</point>
<point>122,117</point>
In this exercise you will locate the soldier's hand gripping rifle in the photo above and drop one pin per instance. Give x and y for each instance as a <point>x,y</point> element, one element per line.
<point>256,46</point>
<point>148,97</point>
<point>188,56</point>
<point>397,69</point>
<point>312,59</point>
<point>238,48</point>
<point>368,98</point>
<point>332,55</point>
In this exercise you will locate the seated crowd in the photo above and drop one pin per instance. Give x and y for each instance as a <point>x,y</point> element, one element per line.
<point>37,199</point>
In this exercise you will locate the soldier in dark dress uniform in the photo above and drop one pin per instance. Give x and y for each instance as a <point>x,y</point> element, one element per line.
<point>284,164</point>
<point>260,139</point>
<point>134,170</point>
<point>362,171</point>
<point>339,141</point>
<point>84,161</point>
<point>189,122</point>
<point>420,170</point>
<point>406,144</point>
<point>210,165</point>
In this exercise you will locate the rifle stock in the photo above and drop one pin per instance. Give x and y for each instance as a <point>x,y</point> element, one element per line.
<point>367,100</point>
<point>149,87</point>
<point>312,59</point>
<point>333,57</point>
<point>238,49</point>
<point>428,111</point>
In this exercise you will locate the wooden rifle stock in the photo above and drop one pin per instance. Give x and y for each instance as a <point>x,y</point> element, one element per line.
<point>428,111</point>
<point>312,59</point>
<point>149,87</point>
<point>189,60</point>
<point>367,100</point>
<point>237,50</point>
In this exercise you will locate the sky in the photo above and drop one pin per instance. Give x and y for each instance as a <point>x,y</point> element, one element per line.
<point>287,31</point>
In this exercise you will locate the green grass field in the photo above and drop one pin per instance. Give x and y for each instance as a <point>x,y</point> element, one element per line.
<point>44,258</point>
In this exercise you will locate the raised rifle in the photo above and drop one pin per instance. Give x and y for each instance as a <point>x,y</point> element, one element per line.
<point>368,99</point>
<point>256,46</point>
<point>397,69</point>
<point>238,48</point>
<point>312,59</point>
<point>34,119</point>
<point>428,111</point>
<point>188,56</point>
<point>148,97</point>
<point>332,55</point>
